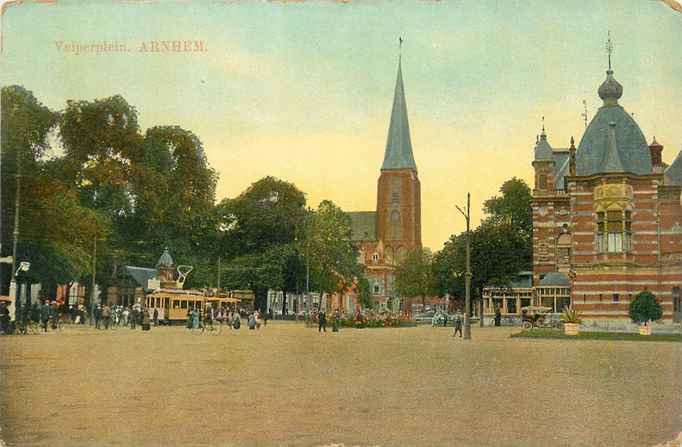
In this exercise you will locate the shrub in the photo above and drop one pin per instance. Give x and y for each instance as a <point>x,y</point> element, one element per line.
<point>570,316</point>
<point>645,308</point>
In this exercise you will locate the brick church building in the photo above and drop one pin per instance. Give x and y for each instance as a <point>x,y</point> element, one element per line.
<point>607,218</point>
<point>387,234</point>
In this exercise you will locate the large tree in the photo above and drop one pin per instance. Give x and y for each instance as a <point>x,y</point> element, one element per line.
<point>259,234</point>
<point>414,275</point>
<point>329,251</point>
<point>501,246</point>
<point>56,232</point>
<point>512,207</point>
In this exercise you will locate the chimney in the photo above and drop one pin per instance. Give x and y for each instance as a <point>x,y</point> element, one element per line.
<point>656,156</point>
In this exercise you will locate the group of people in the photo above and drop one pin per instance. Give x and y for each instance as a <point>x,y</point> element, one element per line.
<point>205,318</point>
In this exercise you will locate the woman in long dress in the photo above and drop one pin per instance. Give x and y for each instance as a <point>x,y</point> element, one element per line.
<point>195,319</point>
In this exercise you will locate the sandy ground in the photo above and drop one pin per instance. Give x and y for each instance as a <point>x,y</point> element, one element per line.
<point>288,385</point>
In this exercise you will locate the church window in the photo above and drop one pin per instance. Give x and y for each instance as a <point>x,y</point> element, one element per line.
<point>395,216</point>
<point>614,231</point>
<point>395,198</point>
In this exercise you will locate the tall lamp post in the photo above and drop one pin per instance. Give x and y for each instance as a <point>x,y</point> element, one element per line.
<point>467,280</point>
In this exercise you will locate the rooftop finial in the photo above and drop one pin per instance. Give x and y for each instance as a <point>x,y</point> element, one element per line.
<point>543,134</point>
<point>400,48</point>
<point>609,48</point>
<point>584,114</point>
<point>572,143</point>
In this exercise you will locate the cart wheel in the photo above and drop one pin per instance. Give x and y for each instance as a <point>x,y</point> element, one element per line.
<point>527,325</point>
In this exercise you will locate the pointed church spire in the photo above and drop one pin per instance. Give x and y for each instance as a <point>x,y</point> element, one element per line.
<point>398,153</point>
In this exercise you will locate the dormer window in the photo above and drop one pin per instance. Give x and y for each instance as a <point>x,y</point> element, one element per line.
<point>375,258</point>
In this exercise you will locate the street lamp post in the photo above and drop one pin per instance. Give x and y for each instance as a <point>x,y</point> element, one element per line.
<point>94,284</point>
<point>467,280</point>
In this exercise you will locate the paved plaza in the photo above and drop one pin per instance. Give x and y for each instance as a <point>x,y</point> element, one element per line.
<point>288,385</point>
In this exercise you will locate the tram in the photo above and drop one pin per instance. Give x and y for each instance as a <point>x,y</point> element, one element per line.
<point>173,304</point>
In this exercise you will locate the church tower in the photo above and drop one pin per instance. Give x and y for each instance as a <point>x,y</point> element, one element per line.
<point>398,189</point>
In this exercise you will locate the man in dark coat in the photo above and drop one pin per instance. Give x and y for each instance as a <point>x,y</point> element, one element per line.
<point>156,316</point>
<point>498,316</point>
<point>458,325</point>
<point>97,315</point>
<point>322,326</point>
<point>45,315</point>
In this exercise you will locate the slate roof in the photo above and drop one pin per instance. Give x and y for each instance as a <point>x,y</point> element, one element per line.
<point>363,225</point>
<point>141,274</point>
<point>560,173</point>
<point>673,174</point>
<point>555,279</point>
<point>398,154</point>
<point>596,153</point>
<point>543,151</point>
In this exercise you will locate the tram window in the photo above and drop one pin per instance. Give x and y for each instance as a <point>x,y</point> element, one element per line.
<point>183,304</point>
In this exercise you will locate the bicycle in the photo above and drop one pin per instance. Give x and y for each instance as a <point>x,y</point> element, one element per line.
<point>211,328</point>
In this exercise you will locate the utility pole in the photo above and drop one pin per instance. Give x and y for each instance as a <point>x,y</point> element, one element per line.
<point>15,233</point>
<point>467,280</point>
<point>94,284</point>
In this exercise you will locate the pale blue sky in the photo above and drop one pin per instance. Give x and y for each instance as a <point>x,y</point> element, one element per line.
<point>304,90</point>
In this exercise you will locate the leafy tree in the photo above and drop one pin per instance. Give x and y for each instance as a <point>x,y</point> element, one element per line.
<point>364,292</point>
<point>100,139</point>
<point>270,212</point>
<point>512,207</point>
<point>259,231</point>
<point>331,254</point>
<point>645,308</point>
<point>414,275</point>
<point>56,232</point>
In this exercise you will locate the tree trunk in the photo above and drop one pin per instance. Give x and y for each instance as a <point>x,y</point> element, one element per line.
<point>260,299</point>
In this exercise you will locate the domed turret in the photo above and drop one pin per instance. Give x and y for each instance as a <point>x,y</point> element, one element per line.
<point>610,90</point>
<point>613,142</point>
<point>165,260</point>
<point>543,151</point>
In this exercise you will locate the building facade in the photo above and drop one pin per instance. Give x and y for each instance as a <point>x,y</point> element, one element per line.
<point>607,218</point>
<point>386,235</point>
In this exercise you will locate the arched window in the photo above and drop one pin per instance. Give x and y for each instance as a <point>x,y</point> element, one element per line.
<point>395,216</point>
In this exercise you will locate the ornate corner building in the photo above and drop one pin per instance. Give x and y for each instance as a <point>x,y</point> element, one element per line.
<point>607,218</point>
<point>386,235</point>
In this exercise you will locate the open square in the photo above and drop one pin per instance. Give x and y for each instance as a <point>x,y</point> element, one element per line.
<point>290,385</point>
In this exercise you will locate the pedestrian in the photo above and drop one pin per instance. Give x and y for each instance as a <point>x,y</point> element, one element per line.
<point>322,324</point>
<point>133,318</point>
<point>106,316</point>
<point>252,321</point>
<point>45,314</point>
<point>125,315</point>
<point>337,320</point>
<point>458,325</point>
<point>156,316</point>
<point>498,316</point>
<point>236,320</point>
<point>195,318</point>
<point>266,315</point>
<point>445,319</point>
<point>72,314</point>
<point>145,319</point>
<point>98,315</point>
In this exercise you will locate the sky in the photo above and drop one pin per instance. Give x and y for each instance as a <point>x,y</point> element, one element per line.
<point>303,90</point>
